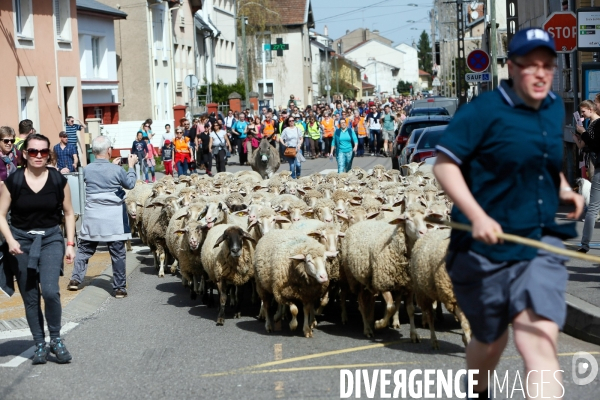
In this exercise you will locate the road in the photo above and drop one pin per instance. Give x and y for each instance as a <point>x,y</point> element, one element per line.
<point>158,343</point>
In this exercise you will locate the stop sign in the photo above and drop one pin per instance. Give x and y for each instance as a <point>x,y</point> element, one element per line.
<point>562,26</point>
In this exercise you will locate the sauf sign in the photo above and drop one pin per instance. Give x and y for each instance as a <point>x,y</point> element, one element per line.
<point>563,28</point>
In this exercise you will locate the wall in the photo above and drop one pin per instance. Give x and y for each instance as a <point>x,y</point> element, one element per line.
<point>41,61</point>
<point>161,58</point>
<point>357,36</point>
<point>410,68</point>
<point>383,54</point>
<point>380,75</point>
<point>225,54</point>
<point>182,25</point>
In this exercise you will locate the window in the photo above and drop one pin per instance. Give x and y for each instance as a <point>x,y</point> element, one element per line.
<point>25,100</point>
<point>62,19</point>
<point>96,56</point>
<point>261,90</point>
<point>98,112</point>
<point>27,96</point>
<point>23,21</point>
<point>260,40</point>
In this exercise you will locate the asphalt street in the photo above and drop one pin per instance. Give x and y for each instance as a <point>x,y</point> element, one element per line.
<point>158,343</point>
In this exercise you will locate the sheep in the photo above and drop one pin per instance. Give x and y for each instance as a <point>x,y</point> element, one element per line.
<point>326,189</point>
<point>227,257</point>
<point>412,168</point>
<point>276,186</point>
<point>215,211</point>
<point>283,202</point>
<point>431,282</point>
<point>353,215</point>
<point>134,202</point>
<point>248,176</point>
<point>235,202</point>
<point>296,211</point>
<point>414,180</point>
<point>185,244</point>
<point>413,194</point>
<point>187,195</point>
<point>379,173</point>
<point>440,208</point>
<point>292,187</point>
<point>263,198</point>
<point>205,188</point>
<point>311,197</point>
<point>344,199</point>
<point>156,221</point>
<point>266,220</point>
<point>284,176</point>
<point>358,172</point>
<point>323,210</point>
<point>316,178</point>
<point>431,192</point>
<point>375,258</point>
<point>393,175</point>
<point>374,207</point>
<point>292,270</point>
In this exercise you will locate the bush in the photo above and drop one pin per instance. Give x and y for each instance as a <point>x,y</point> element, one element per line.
<point>221,91</point>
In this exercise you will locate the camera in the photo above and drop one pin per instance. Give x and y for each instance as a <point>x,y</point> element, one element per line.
<point>124,160</point>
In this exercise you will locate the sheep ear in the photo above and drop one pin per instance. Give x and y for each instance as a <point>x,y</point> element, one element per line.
<point>186,215</point>
<point>298,257</point>
<point>386,207</point>
<point>281,219</point>
<point>301,190</point>
<point>315,234</point>
<point>246,235</point>
<point>434,215</point>
<point>331,254</point>
<point>421,163</point>
<point>372,215</point>
<point>399,220</point>
<point>342,216</point>
<point>241,213</point>
<point>181,231</point>
<point>283,212</point>
<point>257,187</point>
<point>341,234</point>
<point>252,224</point>
<point>423,202</point>
<point>219,240</point>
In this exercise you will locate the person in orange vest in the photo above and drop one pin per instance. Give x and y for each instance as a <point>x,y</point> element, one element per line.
<point>358,125</point>
<point>328,129</point>
<point>268,129</point>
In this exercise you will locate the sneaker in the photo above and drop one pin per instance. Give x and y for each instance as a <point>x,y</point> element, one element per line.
<point>146,181</point>
<point>57,347</point>
<point>40,356</point>
<point>73,285</point>
<point>153,179</point>
<point>583,250</point>
<point>120,293</point>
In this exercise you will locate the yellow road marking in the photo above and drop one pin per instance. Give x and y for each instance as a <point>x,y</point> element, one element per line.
<point>277,348</point>
<point>279,394</point>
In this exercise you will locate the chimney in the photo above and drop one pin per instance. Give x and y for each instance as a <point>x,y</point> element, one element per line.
<point>347,31</point>
<point>325,31</point>
<point>376,31</point>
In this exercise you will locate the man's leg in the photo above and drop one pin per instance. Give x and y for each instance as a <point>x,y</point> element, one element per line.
<point>85,250</point>
<point>484,357</point>
<point>117,256</point>
<point>536,339</point>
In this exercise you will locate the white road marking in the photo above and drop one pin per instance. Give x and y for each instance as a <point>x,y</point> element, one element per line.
<point>27,354</point>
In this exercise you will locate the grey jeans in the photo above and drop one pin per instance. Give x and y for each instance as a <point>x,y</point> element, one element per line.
<point>592,210</point>
<point>86,249</point>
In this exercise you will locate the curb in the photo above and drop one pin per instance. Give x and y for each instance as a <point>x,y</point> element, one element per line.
<point>583,320</point>
<point>92,296</point>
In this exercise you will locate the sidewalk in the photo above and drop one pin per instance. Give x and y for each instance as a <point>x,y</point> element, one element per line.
<point>583,290</point>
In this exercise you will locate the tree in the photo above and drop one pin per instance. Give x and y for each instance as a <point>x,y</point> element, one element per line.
<point>424,53</point>
<point>404,87</point>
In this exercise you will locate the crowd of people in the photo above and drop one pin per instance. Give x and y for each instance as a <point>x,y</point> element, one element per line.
<point>342,129</point>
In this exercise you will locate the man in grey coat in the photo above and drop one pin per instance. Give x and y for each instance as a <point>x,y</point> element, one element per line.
<point>105,218</point>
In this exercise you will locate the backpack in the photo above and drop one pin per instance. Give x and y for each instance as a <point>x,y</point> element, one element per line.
<point>19,180</point>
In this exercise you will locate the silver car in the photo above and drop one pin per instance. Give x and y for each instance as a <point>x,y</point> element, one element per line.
<point>410,145</point>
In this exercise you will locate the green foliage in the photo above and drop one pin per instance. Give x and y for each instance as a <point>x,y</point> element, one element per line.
<point>424,53</point>
<point>221,91</point>
<point>403,87</point>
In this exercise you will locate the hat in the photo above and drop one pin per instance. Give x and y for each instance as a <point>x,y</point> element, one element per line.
<point>167,142</point>
<point>527,40</point>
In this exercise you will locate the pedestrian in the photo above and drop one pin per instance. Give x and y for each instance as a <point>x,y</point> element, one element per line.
<point>190,133</point>
<point>328,125</point>
<point>167,157</point>
<point>105,218</point>
<point>183,152</point>
<point>314,134</point>
<point>66,154</point>
<point>38,198</point>
<point>140,149</point>
<point>25,128</point>
<point>205,156</point>
<point>374,126</point>
<point>291,140</point>
<point>503,175</point>
<point>387,121</point>
<point>268,129</point>
<point>219,145</point>
<point>251,141</point>
<point>146,129</point>
<point>346,143</point>
<point>358,126</point>
<point>10,155</point>
<point>168,135</point>
<point>239,133</point>
<point>150,161</point>
<point>590,137</point>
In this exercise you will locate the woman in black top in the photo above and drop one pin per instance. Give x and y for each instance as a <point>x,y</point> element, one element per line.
<point>37,196</point>
<point>590,137</point>
<point>206,155</point>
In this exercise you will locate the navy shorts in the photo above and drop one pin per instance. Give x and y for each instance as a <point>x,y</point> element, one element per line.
<point>491,294</point>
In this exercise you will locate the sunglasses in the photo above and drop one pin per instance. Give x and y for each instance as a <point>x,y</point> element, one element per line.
<point>7,141</point>
<point>35,152</point>
<point>179,132</point>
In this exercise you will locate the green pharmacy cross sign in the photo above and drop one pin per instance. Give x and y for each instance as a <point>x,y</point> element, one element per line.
<point>279,46</point>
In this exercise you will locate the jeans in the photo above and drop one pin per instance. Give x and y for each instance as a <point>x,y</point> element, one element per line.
<point>87,248</point>
<point>150,168</point>
<point>207,161</point>
<point>295,167</point>
<point>243,157</point>
<point>344,161</point>
<point>328,141</point>
<point>592,210</point>
<point>375,138</point>
<point>360,150</point>
<point>182,167</point>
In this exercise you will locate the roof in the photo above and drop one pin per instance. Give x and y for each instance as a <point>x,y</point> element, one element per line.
<point>347,60</point>
<point>421,72</point>
<point>96,7</point>
<point>370,41</point>
<point>321,46</point>
<point>294,12</point>
<point>367,85</point>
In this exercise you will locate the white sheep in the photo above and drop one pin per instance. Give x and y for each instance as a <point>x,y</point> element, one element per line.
<point>290,266</point>
<point>156,221</point>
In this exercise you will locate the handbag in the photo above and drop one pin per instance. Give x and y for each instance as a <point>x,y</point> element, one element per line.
<point>290,152</point>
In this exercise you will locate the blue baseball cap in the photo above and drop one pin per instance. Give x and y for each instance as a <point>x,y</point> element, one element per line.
<point>527,40</point>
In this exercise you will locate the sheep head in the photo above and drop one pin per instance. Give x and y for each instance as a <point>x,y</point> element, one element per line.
<point>234,236</point>
<point>311,267</point>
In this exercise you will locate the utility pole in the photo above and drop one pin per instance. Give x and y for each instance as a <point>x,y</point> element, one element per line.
<point>493,44</point>
<point>245,55</point>
<point>327,86</point>
<point>337,71</point>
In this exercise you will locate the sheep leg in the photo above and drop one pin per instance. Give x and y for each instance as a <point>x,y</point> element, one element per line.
<point>237,310</point>
<point>324,302</point>
<point>343,294</point>
<point>128,245</point>
<point>365,302</point>
<point>429,316</point>
<point>174,266</point>
<point>396,318</point>
<point>222,287</point>
<point>193,294</point>
<point>266,298</point>
<point>390,309</point>
<point>262,313</point>
<point>313,319</point>
<point>294,321</point>
<point>308,309</point>
<point>254,294</point>
<point>279,312</point>
<point>160,253</point>
<point>439,312</point>
<point>410,309</point>
<point>464,323</point>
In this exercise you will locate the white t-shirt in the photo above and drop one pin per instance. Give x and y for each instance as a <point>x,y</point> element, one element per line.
<point>291,136</point>
<point>218,139</point>
<point>168,136</point>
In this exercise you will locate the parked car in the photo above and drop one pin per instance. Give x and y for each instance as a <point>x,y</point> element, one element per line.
<point>415,112</point>
<point>425,147</point>
<point>449,104</point>
<point>409,125</point>
<point>410,146</point>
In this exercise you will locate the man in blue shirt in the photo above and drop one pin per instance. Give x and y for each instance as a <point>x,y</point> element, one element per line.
<point>66,154</point>
<point>73,130</point>
<point>500,162</point>
<point>239,133</point>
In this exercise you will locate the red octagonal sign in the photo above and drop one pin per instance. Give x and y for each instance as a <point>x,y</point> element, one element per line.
<point>562,26</point>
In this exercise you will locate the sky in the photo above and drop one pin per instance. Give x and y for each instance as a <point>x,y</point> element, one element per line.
<point>388,16</point>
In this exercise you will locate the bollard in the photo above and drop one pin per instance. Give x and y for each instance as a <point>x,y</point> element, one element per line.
<point>81,192</point>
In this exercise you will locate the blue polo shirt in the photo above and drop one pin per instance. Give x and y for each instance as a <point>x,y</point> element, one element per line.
<point>510,156</point>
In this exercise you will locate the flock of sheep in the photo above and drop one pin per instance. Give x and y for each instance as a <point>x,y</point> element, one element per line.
<point>303,242</point>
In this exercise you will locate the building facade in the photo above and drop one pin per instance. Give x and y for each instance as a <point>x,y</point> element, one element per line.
<point>40,63</point>
<point>357,36</point>
<point>410,67</point>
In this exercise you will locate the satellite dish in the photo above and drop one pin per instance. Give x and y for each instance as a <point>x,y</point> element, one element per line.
<point>474,15</point>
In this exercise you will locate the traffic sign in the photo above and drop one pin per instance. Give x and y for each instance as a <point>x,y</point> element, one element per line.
<point>478,77</point>
<point>436,82</point>
<point>478,60</point>
<point>562,26</point>
<point>588,29</point>
<point>191,81</point>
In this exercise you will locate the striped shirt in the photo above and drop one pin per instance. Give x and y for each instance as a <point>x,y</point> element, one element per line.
<point>72,133</point>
